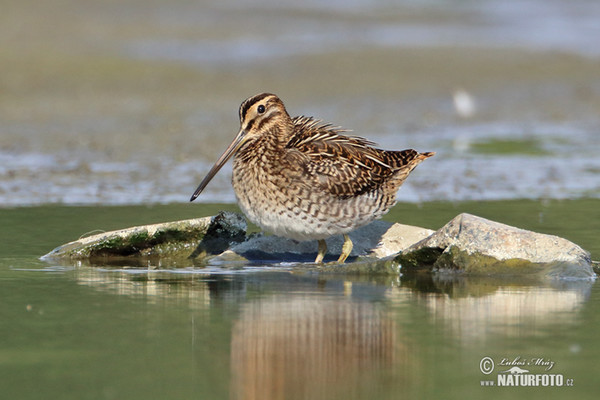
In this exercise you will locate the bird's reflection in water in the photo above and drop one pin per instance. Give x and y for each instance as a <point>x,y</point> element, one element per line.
<point>303,348</point>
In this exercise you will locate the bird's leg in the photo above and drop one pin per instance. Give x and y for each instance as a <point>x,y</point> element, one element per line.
<point>322,251</point>
<point>346,249</point>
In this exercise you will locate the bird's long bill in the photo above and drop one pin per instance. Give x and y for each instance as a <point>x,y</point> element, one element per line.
<point>233,147</point>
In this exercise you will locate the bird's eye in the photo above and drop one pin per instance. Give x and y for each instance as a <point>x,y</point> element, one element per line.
<point>261,109</point>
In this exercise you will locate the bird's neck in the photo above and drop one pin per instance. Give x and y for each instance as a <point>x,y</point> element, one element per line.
<point>265,147</point>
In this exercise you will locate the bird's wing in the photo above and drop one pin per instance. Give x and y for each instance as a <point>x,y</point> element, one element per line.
<point>345,166</point>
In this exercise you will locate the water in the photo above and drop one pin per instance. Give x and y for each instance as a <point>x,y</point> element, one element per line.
<point>88,334</point>
<point>110,332</point>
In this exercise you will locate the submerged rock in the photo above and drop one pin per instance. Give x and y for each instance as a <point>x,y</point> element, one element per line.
<point>476,245</point>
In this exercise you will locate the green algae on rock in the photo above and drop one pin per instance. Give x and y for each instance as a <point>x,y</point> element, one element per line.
<point>186,238</point>
<point>467,245</point>
<point>475,245</point>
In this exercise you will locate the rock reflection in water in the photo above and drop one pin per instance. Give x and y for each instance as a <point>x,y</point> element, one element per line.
<point>307,348</point>
<point>481,310</point>
<point>154,286</point>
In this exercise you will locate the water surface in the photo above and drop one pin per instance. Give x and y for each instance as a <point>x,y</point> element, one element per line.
<point>119,332</point>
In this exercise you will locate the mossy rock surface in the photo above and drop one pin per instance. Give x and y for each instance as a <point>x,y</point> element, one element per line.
<point>467,244</point>
<point>179,239</point>
<point>477,246</point>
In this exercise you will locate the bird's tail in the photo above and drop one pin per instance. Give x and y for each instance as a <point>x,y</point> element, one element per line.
<point>423,156</point>
<point>409,159</point>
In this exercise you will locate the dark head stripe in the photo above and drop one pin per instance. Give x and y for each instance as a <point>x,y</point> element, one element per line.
<point>250,102</point>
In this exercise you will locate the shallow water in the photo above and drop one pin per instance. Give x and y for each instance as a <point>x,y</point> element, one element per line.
<point>88,334</point>
<point>121,332</point>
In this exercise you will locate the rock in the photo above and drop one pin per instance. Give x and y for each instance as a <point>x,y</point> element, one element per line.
<point>467,244</point>
<point>398,238</point>
<point>479,246</point>
<point>181,239</point>
<point>378,239</point>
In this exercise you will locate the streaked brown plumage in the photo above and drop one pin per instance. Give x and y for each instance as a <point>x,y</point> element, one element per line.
<point>302,179</point>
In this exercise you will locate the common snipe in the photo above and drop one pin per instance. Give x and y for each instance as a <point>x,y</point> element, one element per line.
<point>304,180</point>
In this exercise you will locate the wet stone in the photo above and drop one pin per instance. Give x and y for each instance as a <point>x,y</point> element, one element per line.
<point>179,239</point>
<point>476,245</point>
<point>467,244</point>
<point>376,240</point>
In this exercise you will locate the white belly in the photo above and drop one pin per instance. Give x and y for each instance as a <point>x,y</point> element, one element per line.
<point>302,219</point>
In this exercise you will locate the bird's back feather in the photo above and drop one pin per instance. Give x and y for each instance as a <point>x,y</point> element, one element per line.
<point>344,165</point>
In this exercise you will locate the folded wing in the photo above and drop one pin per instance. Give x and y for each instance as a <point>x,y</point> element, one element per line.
<point>346,166</point>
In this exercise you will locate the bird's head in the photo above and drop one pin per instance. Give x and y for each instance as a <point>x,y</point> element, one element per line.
<point>259,114</point>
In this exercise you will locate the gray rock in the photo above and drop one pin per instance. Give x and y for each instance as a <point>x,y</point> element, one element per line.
<point>480,246</point>
<point>378,239</point>
<point>467,243</point>
<point>180,239</point>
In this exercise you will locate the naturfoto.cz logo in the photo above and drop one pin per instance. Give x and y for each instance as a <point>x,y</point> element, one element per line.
<point>519,371</point>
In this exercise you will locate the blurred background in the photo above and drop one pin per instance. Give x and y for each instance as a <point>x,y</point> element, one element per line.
<point>131,101</point>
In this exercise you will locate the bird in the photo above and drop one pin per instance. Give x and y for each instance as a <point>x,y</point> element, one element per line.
<point>303,179</point>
